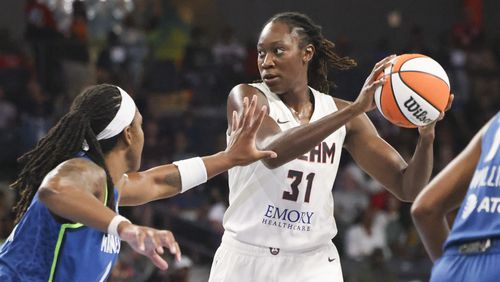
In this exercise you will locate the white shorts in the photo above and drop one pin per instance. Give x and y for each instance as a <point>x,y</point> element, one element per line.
<point>239,262</point>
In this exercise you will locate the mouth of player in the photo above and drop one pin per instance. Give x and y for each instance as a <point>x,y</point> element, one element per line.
<point>270,78</point>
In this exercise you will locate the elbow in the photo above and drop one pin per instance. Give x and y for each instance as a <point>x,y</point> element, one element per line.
<point>420,210</point>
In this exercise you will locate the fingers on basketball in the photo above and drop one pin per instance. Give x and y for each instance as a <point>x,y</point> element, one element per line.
<point>234,123</point>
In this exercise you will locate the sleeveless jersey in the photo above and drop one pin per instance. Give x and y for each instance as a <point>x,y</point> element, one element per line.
<point>42,249</point>
<point>479,214</point>
<point>289,207</point>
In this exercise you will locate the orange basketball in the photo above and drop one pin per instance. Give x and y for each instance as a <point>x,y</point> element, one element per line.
<point>415,92</point>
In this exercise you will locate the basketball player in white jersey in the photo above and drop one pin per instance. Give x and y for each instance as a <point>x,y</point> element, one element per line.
<point>280,223</point>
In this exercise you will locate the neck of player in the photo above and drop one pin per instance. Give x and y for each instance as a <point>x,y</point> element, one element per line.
<point>117,164</point>
<point>298,100</point>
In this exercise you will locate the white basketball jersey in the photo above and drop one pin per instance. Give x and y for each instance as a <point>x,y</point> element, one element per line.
<point>289,207</point>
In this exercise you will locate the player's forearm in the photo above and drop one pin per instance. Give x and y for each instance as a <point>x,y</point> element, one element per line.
<point>419,169</point>
<point>295,142</point>
<point>168,180</point>
<point>432,228</point>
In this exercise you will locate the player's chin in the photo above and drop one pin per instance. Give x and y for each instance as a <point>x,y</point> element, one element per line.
<point>275,87</point>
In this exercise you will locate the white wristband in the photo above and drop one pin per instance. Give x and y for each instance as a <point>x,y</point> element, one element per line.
<point>193,173</point>
<point>113,225</point>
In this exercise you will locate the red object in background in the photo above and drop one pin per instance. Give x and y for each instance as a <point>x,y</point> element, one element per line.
<point>379,200</point>
<point>9,61</point>
<point>474,8</point>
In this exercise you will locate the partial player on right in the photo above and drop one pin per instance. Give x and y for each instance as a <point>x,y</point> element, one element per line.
<point>471,250</point>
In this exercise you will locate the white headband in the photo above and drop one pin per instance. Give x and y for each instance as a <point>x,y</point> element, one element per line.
<point>122,119</point>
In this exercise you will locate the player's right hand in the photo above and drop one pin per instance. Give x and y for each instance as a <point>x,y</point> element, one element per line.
<point>150,242</point>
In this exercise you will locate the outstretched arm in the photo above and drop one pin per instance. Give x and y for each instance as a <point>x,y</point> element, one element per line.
<point>165,181</point>
<point>294,142</point>
<point>443,195</point>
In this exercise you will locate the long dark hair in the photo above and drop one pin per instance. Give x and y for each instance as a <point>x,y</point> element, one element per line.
<point>324,58</point>
<point>89,114</point>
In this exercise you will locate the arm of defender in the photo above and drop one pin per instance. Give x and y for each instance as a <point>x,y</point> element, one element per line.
<point>443,195</point>
<point>165,181</point>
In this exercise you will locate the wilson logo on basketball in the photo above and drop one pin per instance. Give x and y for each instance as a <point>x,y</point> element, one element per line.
<point>412,106</point>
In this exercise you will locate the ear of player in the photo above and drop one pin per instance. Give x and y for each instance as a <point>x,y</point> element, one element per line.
<point>415,93</point>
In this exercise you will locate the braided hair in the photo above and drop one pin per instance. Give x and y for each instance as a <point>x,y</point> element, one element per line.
<point>89,114</point>
<point>324,58</point>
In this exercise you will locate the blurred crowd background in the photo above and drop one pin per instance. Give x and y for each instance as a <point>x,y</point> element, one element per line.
<point>179,60</point>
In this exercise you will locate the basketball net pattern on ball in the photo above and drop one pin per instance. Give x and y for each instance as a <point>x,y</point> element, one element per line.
<point>416,90</point>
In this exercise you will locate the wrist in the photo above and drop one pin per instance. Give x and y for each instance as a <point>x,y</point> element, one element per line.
<point>227,160</point>
<point>355,109</point>
<point>117,224</point>
<point>192,172</point>
<point>121,226</point>
<point>427,138</point>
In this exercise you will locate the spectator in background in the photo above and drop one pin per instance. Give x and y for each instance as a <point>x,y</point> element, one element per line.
<point>394,229</point>
<point>198,55</point>
<point>134,41</point>
<point>483,73</point>
<point>229,55</point>
<point>36,119</point>
<point>197,67</point>
<point>112,61</point>
<point>43,37</point>
<point>228,52</point>
<point>216,212</point>
<point>77,71</point>
<point>156,142</point>
<point>8,112</point>
<point>416,42</point>
<point>350,195</point>
<point>40,22</point>
<point>364,237</point>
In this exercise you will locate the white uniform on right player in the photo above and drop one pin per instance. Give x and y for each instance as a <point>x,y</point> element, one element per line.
<point>280,223</point>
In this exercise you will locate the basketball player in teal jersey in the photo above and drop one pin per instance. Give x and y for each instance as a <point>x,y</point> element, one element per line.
<point>72,182</point>
<point>471,182</point>
<point>280,223</point>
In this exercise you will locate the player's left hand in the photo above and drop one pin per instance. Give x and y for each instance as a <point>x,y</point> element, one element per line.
<point>429,129</point>
<point>241,146</point>
<point>150,242</point>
